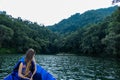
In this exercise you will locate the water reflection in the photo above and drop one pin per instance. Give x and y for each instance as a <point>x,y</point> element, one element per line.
<point>69,67</point>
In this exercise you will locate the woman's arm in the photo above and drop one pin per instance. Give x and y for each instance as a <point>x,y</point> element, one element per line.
<point>20,72</point>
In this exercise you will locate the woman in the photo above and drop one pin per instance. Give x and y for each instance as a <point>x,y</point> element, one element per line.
<point>27,68</point>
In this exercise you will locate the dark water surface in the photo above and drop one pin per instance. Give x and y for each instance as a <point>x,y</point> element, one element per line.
<point>68,67</point>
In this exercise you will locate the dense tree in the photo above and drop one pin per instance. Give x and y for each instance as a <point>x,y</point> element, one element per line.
<point>101,39</point>
<point>112,39</point>
<point>6,35</point>
<point>95,39</point>
<point>23,34</point>
<point>77,20</point>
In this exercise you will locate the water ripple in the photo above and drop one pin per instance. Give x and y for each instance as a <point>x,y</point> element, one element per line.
<point>69,67</point>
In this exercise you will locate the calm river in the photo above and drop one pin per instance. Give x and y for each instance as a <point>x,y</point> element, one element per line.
<point>68,67</point>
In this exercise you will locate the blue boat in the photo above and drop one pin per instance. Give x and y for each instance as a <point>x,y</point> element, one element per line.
<point>41,74</point>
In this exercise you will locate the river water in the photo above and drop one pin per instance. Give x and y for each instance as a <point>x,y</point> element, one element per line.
<point>68,67</point>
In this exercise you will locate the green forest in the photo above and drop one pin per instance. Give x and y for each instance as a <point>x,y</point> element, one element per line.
<point>93,33</point>
<point>17,35</point>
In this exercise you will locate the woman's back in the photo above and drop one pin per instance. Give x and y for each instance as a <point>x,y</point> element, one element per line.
<point>24,69</point>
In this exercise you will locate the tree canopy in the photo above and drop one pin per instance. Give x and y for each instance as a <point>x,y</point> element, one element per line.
<point>100,38</point>
<point>23,34</point>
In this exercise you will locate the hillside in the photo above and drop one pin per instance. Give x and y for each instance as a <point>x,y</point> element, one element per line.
<point>102,39</point>
<point>18,35</point>
<point>79,20</point>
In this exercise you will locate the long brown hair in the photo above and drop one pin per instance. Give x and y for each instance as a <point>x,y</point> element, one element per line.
<point>28,59</point>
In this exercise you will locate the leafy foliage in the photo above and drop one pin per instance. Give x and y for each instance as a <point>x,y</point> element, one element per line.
<point>100,39</point>
<point>23,34</point>
<point>77,20</point>
<point>94,35</point>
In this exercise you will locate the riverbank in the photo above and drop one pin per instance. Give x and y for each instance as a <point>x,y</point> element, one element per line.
<point>14,51</point>
<point>7,51</point>
<point>66,54</point>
